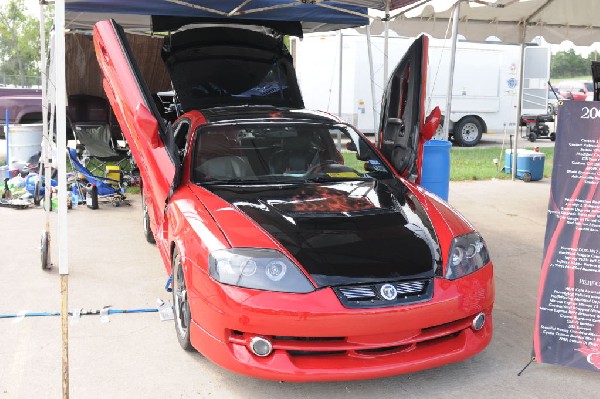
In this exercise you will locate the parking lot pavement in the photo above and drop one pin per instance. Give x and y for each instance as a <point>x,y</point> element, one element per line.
<point>137,355</point>
<point>498,139</point>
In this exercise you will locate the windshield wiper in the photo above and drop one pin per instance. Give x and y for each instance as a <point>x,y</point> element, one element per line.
<point>221,181</point>
<point>236,181</point>
<point>327,179</point>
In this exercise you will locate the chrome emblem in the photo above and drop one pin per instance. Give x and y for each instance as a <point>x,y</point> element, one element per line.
<point>388,292</point>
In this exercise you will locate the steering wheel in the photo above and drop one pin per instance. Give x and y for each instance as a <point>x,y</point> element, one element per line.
<point>320,168</point>
<point>330,166</point>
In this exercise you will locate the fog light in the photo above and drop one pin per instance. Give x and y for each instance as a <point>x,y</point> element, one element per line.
<point>478,322</point>
<point>261,346</point>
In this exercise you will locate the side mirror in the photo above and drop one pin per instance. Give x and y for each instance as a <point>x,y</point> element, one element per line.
<point>431,124</point>
<point>368,167</point>
<point>148,125</point>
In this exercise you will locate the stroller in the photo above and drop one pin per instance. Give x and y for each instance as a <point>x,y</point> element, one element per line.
<point>93,188</point>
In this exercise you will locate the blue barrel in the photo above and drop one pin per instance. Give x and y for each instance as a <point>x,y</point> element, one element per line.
<point>435,174</point>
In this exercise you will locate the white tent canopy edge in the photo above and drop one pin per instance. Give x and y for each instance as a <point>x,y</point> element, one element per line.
<point>509,20</point>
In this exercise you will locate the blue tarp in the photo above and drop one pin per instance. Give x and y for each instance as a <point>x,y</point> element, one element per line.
<point>220,8</point>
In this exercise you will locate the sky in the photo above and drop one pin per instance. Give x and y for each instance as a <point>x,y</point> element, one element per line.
<point>32,6</point>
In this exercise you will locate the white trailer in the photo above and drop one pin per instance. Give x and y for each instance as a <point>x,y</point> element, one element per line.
<point>485,89</point>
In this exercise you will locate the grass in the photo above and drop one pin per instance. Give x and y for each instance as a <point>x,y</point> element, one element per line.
<point>477,163</point>
<point>465,164</point>
<point>472,163</point>
<point>133,190</point>
<point>351,161</point>
<point>569,78</point>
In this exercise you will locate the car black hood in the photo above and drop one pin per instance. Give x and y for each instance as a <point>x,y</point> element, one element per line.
<point>224,66</point>
<point>346,232</point>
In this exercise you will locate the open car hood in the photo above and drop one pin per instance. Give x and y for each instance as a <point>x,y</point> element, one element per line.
<point>221,66</point>
<point>344,233</point>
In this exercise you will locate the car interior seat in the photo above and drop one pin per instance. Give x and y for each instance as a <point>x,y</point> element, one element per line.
<point>297,156</point>
<point>218,157</point>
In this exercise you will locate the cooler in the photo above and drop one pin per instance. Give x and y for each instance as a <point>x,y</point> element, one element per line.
<point>530,164</point>
<point>113,172</point>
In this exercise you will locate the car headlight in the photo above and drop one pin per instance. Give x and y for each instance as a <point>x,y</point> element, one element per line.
<point>468,253</point>
<point>263,269</point>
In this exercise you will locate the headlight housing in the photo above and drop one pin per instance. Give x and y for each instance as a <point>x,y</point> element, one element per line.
<point>468,254</point>
<point>262,269</point>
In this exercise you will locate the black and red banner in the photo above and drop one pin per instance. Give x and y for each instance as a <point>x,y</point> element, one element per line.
<point>567,330</point>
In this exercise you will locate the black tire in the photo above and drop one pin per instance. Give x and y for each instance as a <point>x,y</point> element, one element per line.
<point>526,177</point>
<point>553,136</point>
<point>532,137</point>
<point>551,110</point>
<point>468,132</point>
<point>44,251</point>
<point>37,197</point>
<point>146,222</point>
<point>181,305</point>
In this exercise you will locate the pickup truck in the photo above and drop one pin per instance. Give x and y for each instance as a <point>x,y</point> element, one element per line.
<point>24,105</point>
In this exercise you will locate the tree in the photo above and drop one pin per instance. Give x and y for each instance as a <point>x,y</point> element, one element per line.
<point>568,64</point>
<point>19,42</point>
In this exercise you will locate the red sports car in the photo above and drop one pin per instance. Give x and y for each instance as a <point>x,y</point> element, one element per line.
<point>298,250</point>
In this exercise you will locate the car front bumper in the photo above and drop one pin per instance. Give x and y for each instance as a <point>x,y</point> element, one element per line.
<point>314,338</point>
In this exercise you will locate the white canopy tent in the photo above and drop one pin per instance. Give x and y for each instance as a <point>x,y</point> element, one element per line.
<point>516,21</point>
<point>555,20</point>
<point>510,20</point>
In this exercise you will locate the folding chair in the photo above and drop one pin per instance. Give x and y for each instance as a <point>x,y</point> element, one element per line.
<point>100,137</point>
<point>108,189</point>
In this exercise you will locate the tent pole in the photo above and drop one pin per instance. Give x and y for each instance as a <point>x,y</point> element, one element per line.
<point>386,35</point>
<point>46,146</point>
<point>340,80</point>
<point>519,104</point>
<point>372,75</point>
<point>61,141</point>
<point>455,17</point>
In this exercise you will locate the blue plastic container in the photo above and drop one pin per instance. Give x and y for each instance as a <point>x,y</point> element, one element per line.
<point>530,164</point>
<point>435,173</point>
<point>32,179</point>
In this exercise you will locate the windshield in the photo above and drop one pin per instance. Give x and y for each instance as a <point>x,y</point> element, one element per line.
<point>282,153</point>
<point>589,86</point>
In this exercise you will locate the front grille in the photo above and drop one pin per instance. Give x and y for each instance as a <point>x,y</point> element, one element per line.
<point>358,293</point>
<point>298,347</point>
<point>370,295</point>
